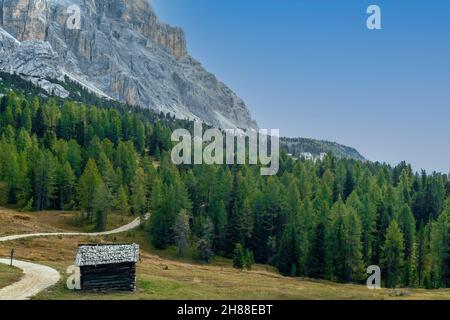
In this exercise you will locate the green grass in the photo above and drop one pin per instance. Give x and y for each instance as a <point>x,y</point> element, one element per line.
<point>161,274</point>
<point>9,275</point>
<point>235,285</point>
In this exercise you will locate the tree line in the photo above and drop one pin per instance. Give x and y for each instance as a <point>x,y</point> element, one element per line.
<point>327,219</point>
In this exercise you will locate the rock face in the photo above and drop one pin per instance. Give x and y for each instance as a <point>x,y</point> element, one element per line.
<point>33,60</point>
<point>117,48</point>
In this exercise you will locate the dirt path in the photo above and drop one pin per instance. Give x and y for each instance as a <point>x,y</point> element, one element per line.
<point>132,225</point>
<point>38,277</point>
<point>35,279</point>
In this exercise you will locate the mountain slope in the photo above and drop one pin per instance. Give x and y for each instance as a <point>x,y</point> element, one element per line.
<point>301,146</point>
<point>296,146</point>
<point>121,51</point>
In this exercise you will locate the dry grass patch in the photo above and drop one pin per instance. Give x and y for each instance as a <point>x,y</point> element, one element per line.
<point>13,222</point>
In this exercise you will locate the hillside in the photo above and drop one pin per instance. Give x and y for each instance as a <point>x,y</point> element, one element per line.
<point>80,94</point>
<point>117,49</point>
<point>163,276</point>
<point>299,146</point>
<point>113,160</point>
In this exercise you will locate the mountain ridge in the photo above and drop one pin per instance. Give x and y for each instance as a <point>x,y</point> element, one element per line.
<point>78,93</point>
<point>124,52</point>
<point>36,44</point>
<point>300,147</point>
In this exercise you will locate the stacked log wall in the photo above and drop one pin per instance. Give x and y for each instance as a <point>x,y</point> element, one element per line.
<point>109,277</point>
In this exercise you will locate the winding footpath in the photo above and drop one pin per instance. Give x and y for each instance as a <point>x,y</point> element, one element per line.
<point>39,277</point>
<point>35,278</point>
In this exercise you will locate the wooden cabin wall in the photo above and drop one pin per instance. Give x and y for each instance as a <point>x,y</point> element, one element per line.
<point>109,277</point>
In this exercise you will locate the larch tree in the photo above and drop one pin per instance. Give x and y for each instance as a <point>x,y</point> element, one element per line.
<point>393,255</point>
<point>138,197</point>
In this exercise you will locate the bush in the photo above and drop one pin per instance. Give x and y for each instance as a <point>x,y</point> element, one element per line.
<point>29,206</point>
<point>248,259</point>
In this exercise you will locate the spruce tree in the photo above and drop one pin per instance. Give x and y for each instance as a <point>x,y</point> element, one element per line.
<point>91,190</point>
<point>205,242</point>
<point>440,270</point>
<point>182,232</point>
<point>317,259</point>
<point>407,225</point>
<point>138,199</point>
<point>45,180</point>
<point>159,227</point>
<point>393,256</point>
<point>249,260</point>
<point>65,181</point>
<point>121,204</point>
<point>238,256</point>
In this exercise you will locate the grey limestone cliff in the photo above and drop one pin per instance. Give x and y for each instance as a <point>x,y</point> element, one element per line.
<point>120,50</point>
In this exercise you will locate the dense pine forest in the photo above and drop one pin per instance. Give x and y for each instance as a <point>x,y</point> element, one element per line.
<point>327,219</point>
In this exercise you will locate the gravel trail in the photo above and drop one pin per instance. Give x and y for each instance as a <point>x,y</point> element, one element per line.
<point>37,277</point>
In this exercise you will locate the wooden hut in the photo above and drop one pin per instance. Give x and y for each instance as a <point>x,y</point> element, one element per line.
<point>106,267</point>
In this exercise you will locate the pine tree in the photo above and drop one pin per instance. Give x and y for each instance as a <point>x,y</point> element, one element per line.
<point>91,190</point>
<point>235,232</point>
<point>288,251</point>
<point>127,161</point>
<point>206,241</point>
<point>440,270</point>
<point>424,255</point>
<point>392,258</point>
<point>108,174</point>
<point>218,216</point>
<point>159,227</point>
<point>121,203</point>
<point>238,256</point>
<point>182,232</point>
<point>249,260</point>
<point>74,156</point>
<point>317,259</point>
<point>45,180</point>
<point>103,205</point>
<point>407,225</point>
<point>339,242</point>
<point>65,181</point>
<point>354,254</point>
<point>349,184</point>
<point>138,197</point>
<point>167,200</point>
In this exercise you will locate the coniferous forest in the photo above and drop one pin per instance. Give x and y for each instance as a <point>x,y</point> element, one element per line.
<point>327,219</point>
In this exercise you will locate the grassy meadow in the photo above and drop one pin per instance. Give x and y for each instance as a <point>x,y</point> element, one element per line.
<point>162,275</point>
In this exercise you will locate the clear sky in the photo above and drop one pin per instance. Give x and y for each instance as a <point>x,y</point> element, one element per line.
<point>312,69</point>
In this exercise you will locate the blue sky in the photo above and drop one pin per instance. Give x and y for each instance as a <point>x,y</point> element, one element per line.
<point>312,69</point>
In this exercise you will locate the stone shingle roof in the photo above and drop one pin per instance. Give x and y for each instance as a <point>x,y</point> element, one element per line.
<point>100,254</point>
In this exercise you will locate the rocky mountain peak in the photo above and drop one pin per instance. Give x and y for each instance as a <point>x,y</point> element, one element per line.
<point>121,50</point>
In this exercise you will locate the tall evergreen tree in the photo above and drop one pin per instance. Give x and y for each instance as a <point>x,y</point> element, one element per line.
<point>138,197</point>
<point>407,225</point>
<point>182,232</point>
<point>45,180</point>
<point>393,252</point>
<point>122,203</point>
<point>91,189</point>
<point>288,251</point>
<point>317,259</point>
